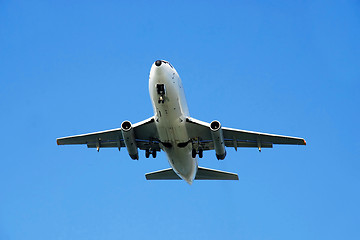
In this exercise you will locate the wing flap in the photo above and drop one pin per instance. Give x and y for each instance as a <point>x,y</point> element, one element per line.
<point>239,144</point>
<point>104,144</point>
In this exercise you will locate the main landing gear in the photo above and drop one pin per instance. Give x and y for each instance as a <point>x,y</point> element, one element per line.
<point>148,152</point>
<point>194,153</point>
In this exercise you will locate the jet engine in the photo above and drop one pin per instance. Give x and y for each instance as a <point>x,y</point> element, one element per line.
<point>129,139</point>
<point>218,139</point>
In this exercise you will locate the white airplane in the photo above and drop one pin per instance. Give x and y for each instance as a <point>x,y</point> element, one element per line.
<point>172,130</point>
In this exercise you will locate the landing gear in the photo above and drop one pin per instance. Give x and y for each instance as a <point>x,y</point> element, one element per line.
<point>160,89</point>
<point>200,152</point>
<point>148,152</point>
<point>161,99</point>
<point>194,153</point>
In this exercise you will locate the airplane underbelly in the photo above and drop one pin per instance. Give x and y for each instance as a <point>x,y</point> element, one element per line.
<point>170,122</point>
<point>172,131</point>
<point>182,162</point>
<point>179,158</point>
<point>171,110</point>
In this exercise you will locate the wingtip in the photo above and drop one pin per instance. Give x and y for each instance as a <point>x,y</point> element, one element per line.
<point>57,142</point>
<point>304,141</point>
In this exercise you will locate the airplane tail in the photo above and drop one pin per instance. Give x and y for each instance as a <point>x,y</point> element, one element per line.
<point>202,174</point>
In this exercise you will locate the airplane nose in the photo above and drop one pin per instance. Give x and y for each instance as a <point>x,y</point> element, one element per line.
<point>158,63</point>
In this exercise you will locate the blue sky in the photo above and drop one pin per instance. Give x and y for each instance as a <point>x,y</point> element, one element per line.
<point>285,67</point>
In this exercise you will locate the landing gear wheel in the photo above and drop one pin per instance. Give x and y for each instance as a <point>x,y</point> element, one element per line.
<point>200,153</point>
<point>154,153</point>
<point>147,153</point>
<point>193,153</point>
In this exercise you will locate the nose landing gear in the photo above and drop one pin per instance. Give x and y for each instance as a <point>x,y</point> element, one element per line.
<point>161,99</point>
<point>160,88</point>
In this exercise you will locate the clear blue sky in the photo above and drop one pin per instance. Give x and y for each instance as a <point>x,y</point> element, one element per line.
<point>285,67</point>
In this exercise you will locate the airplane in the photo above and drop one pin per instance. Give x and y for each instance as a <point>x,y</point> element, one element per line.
<point>180,136</point>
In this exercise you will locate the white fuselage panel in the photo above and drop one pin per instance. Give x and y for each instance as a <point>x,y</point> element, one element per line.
<point>171,110</point>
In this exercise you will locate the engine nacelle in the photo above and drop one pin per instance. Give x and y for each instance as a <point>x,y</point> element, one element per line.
<point>218,139</point>
<point>129,139</point>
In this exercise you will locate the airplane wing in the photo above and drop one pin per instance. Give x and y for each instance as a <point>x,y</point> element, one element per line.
<point>200,132</point>
<point>145,135</point>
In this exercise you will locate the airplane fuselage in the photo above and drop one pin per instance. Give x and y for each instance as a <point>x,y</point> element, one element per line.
<point>170,111</point>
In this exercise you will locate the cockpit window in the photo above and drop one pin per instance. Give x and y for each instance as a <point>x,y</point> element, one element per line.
<point>167,63</point>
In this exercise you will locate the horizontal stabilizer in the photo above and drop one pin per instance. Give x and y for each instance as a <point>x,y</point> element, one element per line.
<point>202,174</point>
<point>212,174</point>
<point>166,174</point>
